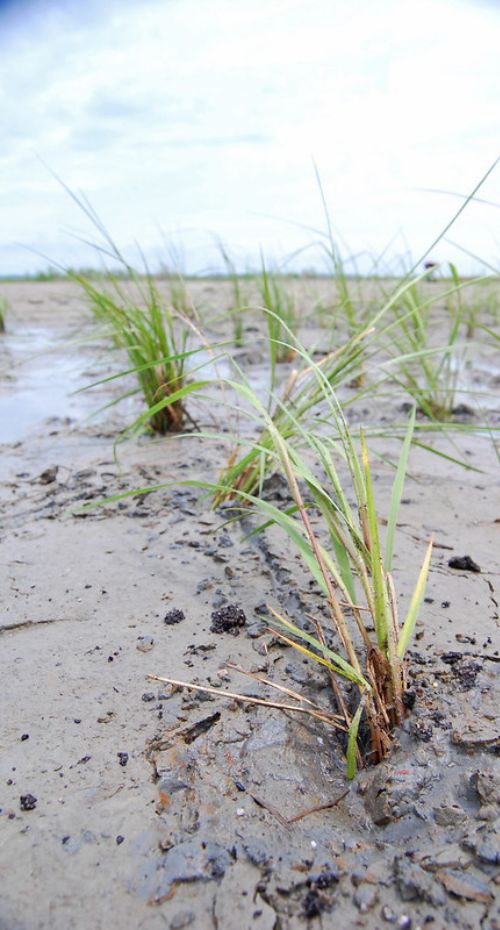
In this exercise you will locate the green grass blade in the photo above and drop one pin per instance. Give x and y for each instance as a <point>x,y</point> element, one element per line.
<point>416,601</point>
<point>352,741</point>
<point>397,492</point>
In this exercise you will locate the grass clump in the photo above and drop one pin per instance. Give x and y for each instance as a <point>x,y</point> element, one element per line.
<point>427,372</point>
<point>3,311</point>
<point>281,317</point>
<point>364,641</point>
<point>139,323</point>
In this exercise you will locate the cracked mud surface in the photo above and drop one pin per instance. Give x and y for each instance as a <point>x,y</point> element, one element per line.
<point>126,805</point>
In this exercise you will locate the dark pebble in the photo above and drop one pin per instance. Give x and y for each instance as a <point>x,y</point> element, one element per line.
<point>122,758</point>
<point>409,698</point>
<point>174,616</point>
<point>27,802</point>
<point>24,737</point>
<point>148,696</point>
<point>119,840</point>
<point>463,563</point>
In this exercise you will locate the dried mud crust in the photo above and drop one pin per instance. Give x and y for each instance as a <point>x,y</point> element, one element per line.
<point>126,804</point>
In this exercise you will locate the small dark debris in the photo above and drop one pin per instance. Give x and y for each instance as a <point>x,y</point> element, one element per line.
<point>462,410</point>
<point>198,729</point>
<point>328,877</point>
<point>119,839</point>
<point>409,698</point>
<point>422,730</point>
<point>228,619</point>
<point>463,563</point>
<point>122,758</point>
<point>466,674</point>
<point>49,475</point>
<point>450,658</point>
<point>148,696</point>
<point>312,904</point>
<point>27,802</point>
<point>24,737</point>
<point>174,616</point>
<point>83,760</point>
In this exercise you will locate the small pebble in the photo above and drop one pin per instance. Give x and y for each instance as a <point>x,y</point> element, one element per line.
<point>145,643</point>
<point>27,802</point>
<point>404,922</point>
<point>24,737</point>
<point>174,616</point>
<point>122,758</point>
<point>119,840</point>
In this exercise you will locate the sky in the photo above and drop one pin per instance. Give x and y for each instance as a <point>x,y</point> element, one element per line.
<point>189,122</point>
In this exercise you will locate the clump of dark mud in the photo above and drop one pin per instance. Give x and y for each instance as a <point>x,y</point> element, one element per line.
<point>174,616</point>
<point>228,619</point>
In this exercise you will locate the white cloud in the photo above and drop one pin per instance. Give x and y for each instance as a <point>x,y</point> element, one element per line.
<point>206,113</point>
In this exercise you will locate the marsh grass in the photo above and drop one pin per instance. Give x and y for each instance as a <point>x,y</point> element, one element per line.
<point>345,558</point>
<point>139,322</point>
<point>281,317</point>
<point>430,373</point>
<point>239,299</point>
<point>3,311</point>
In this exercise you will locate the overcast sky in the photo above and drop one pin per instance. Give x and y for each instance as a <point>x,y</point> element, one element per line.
<point>186,119</point>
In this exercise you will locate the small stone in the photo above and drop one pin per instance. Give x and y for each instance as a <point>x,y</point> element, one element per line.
<point>119,839</point>
<point>463,563</point>
<point>365,897</point>
<point>145,643</point>
<point>27,802</point>
<point>174,616</point>
<point>487,785</point>
<point>148,696</point>
<point>465,885</point>
<point>181,920</point>
<point>49,475</point>
<point>404,922</point>
<point>449,815</point>
<point>488,853</point>
<point>122,758</point>
<point>388,915</point>
<point>24,737</point>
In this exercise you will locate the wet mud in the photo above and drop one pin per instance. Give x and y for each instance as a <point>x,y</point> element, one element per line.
<point>125,802</point>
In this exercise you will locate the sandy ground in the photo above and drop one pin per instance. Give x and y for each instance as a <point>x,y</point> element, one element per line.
<point>124,805</point>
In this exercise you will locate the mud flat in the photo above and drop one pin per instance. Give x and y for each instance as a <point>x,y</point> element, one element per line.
<point>126,805</point>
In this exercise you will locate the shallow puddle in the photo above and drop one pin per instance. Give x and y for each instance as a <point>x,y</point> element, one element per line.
<point>39,374</point>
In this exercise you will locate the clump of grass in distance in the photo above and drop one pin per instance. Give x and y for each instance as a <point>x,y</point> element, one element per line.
<point>238,301</point>
<point>138,321</point>
<point>281,319</point>
<point>180,298</point>
<point>303,396</point>
<point>3,311</point>
<point>428,373</point>
<point>153,334</point>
